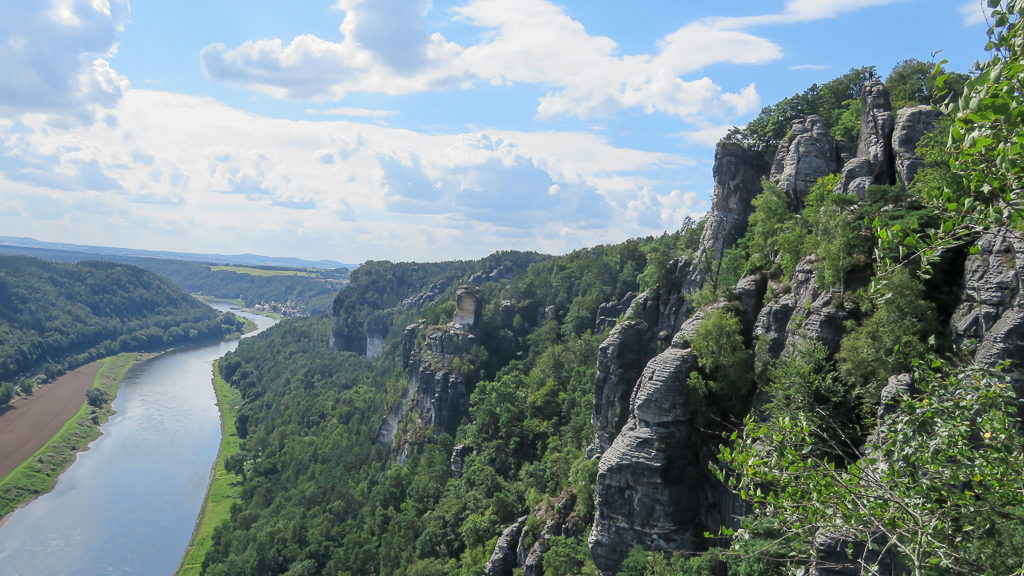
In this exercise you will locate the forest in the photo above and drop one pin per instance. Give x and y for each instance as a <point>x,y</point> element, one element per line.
<point>854,423</point>
<point>309,292</point>
<point>57,316</point>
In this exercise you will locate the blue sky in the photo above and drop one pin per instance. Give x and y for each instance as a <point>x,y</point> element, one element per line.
<point>407,129</point>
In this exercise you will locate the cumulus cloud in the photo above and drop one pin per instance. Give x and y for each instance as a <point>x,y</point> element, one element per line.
<point>54,56</point>
<point>385,48</point>
<point>192,172</point>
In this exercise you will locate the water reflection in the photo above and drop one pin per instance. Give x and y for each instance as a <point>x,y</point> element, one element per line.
<point>129,503</point>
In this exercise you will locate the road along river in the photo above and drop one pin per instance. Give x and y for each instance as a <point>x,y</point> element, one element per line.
<point>129,503</point>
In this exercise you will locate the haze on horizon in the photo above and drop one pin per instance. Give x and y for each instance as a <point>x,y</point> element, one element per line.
<point>407,129</point>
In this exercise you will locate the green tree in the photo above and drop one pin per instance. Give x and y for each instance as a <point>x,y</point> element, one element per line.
<point>833,232</point>
<point>986,148</point>
<point>775,235</point>
<point>939,479</point>
<point>6,394</point>
<point>96,397</point>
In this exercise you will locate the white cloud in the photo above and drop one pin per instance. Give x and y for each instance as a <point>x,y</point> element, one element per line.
<point>796,11</point>
<point>201,176</point>
<point>707,136</point>
<point>354,112</point>
<point>385,48</point>
<point>53,55</point>
<point>974,12</point>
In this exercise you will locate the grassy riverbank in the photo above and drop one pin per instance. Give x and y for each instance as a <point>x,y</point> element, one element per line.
<point>224,486</point>
<point>39,473</point>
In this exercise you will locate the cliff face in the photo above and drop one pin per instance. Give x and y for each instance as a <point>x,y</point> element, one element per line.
<point>439,373</point>
<point>800,313</point>
<point>653,488</point>
<point>988,324</point>
<point>656,315</point>
<point>807,153</point>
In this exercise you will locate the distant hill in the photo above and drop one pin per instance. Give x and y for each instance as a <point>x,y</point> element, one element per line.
<point>56,316</point>
<point>305,289</point>
<point>7,242</point>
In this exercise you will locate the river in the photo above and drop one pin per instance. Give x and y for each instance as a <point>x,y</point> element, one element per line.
<point>128,504</point>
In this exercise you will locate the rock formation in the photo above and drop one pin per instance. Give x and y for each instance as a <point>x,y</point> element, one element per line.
<point>608,313</point>
<point>374,344</point>
<point>874,162</point>
<point>912,124</point>
<point>620,361</point>
<point>458,459</point>
<point>423,298</point>
<point>503,559</point>
<point>654,316</point>
<point>989,322</point>
<point>646,478</point>
<point>800,313</point>
<point>876,126</point>
<point>467,313</point>
<point>807,153</point>
<point>738,173</point>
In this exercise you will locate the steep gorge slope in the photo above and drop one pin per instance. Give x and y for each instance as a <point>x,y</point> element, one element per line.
<point>518,435</point>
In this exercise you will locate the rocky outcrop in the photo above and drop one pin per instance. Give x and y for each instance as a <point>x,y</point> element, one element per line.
<point>458,459</point>
<point>608,313</point>
<point>738,173</point>
<point>441,392</point>
<point>374,344</point>
<point>620,361</point>
<point>560,520</point>
<point>856,178</point>
<point>648,478</point>
<point>989,322</point>
<point>423,298</point>
<point>874,162</point>
<point>876,127</point>
<point>656,315</point>
<point>503,559</point>
<point>799,314</point>
<point>467,312</point>
<point>912,124</point>
<point>438,388</point>
<point>807,153</point>
<point>496,275</point>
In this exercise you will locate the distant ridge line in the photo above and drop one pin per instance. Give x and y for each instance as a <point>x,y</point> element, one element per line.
<point>236,259</point>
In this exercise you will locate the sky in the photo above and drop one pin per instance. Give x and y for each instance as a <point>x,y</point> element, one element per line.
<point>408,129</point>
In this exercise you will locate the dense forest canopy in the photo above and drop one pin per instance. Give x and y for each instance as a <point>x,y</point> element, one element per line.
<point>56,316</point>
<point>845,411</point>
<point>309,291</point>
